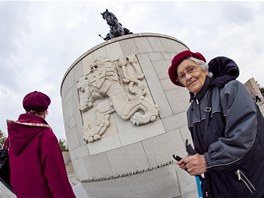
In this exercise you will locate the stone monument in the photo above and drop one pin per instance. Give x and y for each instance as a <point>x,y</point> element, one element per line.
<point>113,86</point>
<point>124,119</point>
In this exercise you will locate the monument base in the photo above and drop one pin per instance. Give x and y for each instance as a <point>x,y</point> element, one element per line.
<point>158,183</point>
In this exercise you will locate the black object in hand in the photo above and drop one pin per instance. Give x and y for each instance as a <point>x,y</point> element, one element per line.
<point>189,148</point>
<point>176,157</point>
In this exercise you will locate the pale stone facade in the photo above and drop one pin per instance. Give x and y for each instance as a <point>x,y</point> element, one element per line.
<point>113,86</point>
<point>254,90</point>
<point>124,119</point>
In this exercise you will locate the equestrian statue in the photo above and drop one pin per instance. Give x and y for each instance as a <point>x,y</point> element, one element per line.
<point>116,28</point>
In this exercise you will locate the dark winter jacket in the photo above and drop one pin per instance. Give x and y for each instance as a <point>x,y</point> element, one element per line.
<point>36,162</point>
<point>233,144</point>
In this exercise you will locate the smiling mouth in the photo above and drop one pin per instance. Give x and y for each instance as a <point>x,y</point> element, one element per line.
<point>189,84</point>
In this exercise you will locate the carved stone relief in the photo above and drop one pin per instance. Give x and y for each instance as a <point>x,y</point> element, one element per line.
<point>114,86</point>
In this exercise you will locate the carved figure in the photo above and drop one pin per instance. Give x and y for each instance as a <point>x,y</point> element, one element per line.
<point>116,28</point>
<point>103,81</point>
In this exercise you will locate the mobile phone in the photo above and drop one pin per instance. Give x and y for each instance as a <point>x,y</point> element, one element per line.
<point>176,157</point>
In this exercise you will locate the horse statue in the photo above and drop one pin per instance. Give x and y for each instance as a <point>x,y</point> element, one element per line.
<point>116,28</point>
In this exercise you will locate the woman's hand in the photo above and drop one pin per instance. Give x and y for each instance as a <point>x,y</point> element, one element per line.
<point>194,164</point>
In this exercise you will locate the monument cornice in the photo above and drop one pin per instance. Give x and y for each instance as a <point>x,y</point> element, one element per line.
<point>118,39</point>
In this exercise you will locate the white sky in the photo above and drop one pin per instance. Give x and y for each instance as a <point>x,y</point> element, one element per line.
<point>40,40</point>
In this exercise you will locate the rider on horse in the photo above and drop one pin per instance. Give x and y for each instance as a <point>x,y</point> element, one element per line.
<point>116,28</point>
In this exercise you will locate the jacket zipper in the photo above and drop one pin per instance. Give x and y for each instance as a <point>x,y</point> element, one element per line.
<point>243,178</point>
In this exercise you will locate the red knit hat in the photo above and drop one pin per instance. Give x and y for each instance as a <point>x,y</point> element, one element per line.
<point>177,60</point>
<point>36,101</point>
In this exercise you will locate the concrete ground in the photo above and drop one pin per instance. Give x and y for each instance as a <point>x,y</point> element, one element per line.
<point>76,185</point>
<point>5,193</point>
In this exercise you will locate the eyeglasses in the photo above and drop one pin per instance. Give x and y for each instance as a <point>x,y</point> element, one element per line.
<point>190,70</point>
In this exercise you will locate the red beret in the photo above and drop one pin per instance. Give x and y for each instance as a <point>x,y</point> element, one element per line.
<point>36,101</point>
<point>177,60</point>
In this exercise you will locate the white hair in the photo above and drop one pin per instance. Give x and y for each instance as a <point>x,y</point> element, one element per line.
<point>203,64</point>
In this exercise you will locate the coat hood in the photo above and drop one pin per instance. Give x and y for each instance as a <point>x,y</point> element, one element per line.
<point>22,131</point>
<point>224,70</point>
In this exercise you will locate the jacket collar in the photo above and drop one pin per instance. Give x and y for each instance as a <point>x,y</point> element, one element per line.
<point>201,93</point>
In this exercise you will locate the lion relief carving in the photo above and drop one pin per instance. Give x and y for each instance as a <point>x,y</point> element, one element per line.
<point>114,86</point>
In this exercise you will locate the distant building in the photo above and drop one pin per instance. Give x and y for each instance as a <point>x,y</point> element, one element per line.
<point>253,89</point>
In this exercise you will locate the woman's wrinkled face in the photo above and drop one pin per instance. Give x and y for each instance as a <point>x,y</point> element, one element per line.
<point>191,75</point>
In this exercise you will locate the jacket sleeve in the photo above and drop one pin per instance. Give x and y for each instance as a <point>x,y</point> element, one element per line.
<point>240,130</point>
<point>54,167</point>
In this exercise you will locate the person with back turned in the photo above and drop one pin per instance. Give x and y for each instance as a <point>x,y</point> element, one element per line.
<point>36,163</point>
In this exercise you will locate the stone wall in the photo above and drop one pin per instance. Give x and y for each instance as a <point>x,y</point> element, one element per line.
<point>115,157</point>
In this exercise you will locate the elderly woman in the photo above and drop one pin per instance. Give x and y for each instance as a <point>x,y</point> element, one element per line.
<point>36,163</point>
<point>227,127</point>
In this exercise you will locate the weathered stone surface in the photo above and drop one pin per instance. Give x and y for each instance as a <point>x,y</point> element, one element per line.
<point>117,97</point>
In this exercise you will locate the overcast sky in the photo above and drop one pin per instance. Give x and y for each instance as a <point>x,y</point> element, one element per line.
<point>40,40</point>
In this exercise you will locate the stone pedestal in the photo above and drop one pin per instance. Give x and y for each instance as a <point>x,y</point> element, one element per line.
<point>124,119</point>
